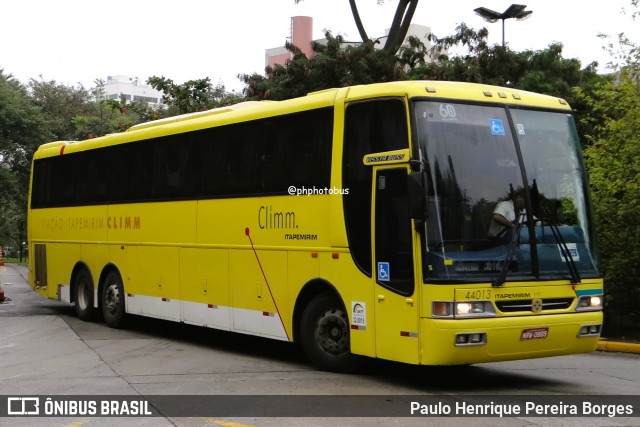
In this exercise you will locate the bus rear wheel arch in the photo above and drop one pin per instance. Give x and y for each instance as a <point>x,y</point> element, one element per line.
<point>113,299</point>
<point>325,334</point>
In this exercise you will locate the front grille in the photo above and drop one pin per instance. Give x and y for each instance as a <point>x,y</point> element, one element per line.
<point>512,306</point>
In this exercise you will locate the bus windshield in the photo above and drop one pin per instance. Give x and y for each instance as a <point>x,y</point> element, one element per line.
<point>506,194</point>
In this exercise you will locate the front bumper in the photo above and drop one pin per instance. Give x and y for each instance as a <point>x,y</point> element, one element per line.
<point>504,338</point>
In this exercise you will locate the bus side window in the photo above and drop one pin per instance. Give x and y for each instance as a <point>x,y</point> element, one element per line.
<point>64,179</point>
<point>277,139</point>
<point>91,177</point>
<point>297,151</point>
<point>42,191</point>
<point>173,166</point>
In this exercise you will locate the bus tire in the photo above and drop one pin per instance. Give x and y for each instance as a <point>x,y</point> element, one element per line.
<point>325,330</point>
<point>113,308</point>
<point>83,288</point>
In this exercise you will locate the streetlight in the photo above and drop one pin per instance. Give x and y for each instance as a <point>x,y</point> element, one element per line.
<point>516,11</point>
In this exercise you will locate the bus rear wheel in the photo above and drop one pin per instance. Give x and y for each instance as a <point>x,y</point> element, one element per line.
<point>113,308</point>
<point>83,297</point>
<point>325,333</point>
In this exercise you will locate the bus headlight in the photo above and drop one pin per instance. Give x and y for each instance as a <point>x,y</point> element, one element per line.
<point>474,309</point>
<point>589,302</point>
<point>463,309</point>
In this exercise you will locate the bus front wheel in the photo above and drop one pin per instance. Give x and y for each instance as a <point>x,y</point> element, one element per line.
<point>325,330</point>
<point>83,297</point>
<point>113,308</point>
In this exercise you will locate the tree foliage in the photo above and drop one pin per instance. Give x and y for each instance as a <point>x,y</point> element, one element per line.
<point>613,159</point>
<point>193,95</point>
<point>112,116</point>
<point>22,128</point>
<point>545,71</point>
<point>335,64</point>
<point>59,105</point>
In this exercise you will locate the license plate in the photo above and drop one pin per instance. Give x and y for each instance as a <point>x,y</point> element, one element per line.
<point>534,334</point>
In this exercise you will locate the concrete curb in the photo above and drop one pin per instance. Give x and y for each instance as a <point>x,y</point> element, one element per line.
<point>622,347</point>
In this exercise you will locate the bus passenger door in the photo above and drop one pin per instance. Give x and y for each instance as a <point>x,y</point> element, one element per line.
<point>396,299</point>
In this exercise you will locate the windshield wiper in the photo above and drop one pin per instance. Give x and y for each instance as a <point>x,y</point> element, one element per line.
<point>564,249</point>
<point>511,251</point>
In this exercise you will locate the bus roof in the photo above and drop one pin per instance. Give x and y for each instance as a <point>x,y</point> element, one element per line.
<point>461,91</point>
<point>189,116</point>
<point>250,110</point>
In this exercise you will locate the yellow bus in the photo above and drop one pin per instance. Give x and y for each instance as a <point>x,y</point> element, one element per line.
<point>431,223</point>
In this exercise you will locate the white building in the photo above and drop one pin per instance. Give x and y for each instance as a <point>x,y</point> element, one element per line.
<point>131,89</point>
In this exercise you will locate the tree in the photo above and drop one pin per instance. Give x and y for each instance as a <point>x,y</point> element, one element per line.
<point>399,25</point>
<point>60,104</point>
<point>544,71</point>
<point>333,65</point>
<point>22,128</point>
<point>613,159</point>
<point>193,95</point>
<point>112,116</point>
<point>100,116</point>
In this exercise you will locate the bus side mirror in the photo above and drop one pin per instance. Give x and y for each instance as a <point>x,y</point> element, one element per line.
<point>417,196</point>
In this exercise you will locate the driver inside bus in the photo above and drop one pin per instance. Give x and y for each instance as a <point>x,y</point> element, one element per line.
<point>504,215</point>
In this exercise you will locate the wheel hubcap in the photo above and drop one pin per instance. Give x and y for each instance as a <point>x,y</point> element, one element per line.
<point>332,332</point>
<point>112,298</point>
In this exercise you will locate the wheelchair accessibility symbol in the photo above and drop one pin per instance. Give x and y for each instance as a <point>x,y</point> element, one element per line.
<point>497,128</point>
<point>384,275</point>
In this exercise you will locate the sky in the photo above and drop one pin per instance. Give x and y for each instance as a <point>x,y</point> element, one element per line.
<point>79,41</point>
